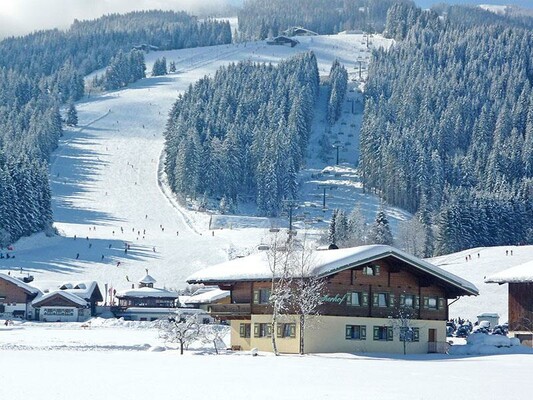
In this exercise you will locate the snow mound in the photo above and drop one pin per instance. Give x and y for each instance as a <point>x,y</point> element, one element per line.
<point>484,344</point>
<point>157,349</point>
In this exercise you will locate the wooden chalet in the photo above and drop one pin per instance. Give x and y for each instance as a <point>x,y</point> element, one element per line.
<point>364,288</point>
<point>16,297</point>
<point>520,299</point>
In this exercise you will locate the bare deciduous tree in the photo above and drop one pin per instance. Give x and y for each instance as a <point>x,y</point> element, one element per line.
<point>213,334</point>
<point>179,330</point>
<point>402,322</point>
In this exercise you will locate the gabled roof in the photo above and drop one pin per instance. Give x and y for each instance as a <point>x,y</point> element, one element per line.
<point>24,286</point>
<point>206,297</point>
<point>83,289</point>
<point>522,273</point>
<point>325,263</point>
<point>59,293</point>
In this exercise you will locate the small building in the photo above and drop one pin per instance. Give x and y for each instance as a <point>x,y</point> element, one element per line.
<point>89,291</point>
<point>16,297</point>
<point>364,287</point>
<point>205,297</point>
<point>146,302</point>
<point>299,31</point>
<point>492,318</point>
<point>520,299</point>
<point>61,306</point>
<point>282,40</point>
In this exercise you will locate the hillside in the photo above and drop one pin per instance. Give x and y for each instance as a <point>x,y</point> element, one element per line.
<point>105,177</point>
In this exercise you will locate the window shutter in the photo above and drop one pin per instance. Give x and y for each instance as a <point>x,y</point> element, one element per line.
<point>349,330</point>
<point>416,334</point>
<point>269,330</point>
<point>375,300</point>
<point>256,330</point>
<point>364,295</point>
<point>256,297</point>
<point>392,298</point>
<point>417,301</point>
<point>349,298</point>
<point>441,303</point>
<point>293,330</point>
<point>242,330</point>
<point>376,270</point>
<point>363,332</point>
<point>426,302</point>
<point>390,334</point>
<point>402,300</point>
<point>376,333</point>
<point>279,330</point>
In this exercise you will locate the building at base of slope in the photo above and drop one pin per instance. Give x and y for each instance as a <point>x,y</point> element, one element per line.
<point>366,289</point>
<point>48,301</point>
<point>520,300</point>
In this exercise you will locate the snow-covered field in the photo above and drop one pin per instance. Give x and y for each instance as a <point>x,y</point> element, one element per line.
<point>115,360</point>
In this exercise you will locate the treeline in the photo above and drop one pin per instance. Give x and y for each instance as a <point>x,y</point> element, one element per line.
<point>243,133</point>
<point>338,84</point>
<point>41,71</point>
<point>260,19</point>
<point>448,128</point>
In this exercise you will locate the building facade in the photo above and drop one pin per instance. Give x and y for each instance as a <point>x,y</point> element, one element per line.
<point>368,292</point>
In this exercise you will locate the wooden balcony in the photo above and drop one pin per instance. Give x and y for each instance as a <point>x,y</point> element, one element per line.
<point>230,311</point>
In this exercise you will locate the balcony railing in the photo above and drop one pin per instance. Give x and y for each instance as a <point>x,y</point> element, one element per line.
<point>230,310</point>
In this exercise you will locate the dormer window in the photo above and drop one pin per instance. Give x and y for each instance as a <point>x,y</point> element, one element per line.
<point>371,270</point>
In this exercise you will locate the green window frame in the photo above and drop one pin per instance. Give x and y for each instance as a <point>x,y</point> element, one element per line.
<point>409,334</point>
<point>383,333</point>
<point>355,332</point>
<point>357,299</point>
<point>261,296</point>
<point>286,330</point>
<point>245,330</point>
<point>262,330</point>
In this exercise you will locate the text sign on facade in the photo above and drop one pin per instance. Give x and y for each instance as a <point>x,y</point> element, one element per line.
<point>337,299</point>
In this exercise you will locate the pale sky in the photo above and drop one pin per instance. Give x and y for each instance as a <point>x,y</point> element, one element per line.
<point>23,16</point>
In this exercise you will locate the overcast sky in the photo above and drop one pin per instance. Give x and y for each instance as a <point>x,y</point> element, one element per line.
<point>23,16</point>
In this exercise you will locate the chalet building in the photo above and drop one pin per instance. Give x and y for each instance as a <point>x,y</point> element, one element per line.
<point>364,288</point>
<point>16,297</point>
<point>282,40</point>
<point>146,302</point>
<point>206,297</point>
<point>60,306</point>
<point>520,280</point>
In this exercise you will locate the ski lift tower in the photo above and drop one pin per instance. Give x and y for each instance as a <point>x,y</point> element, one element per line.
<point>324,187</point>
<point>291,205</point>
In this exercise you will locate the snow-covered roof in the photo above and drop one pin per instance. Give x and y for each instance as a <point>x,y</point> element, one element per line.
<point>256,266</point>
<point>147,292</point>
<point>68,296</point>
<point>205,297</point>
<point>522,273</point>
<point>83,289</point>
<point>147,279</point>
<point>19,283</point>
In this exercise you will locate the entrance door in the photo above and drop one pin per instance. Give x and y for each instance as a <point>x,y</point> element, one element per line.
<point>432,335</point>
<point>432,341</point>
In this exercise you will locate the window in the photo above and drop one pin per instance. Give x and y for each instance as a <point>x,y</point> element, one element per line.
<point>244,330</point>
<point>434,303</point>
<point>371,270</point>
<point>262,330</point>
<point>355,332</point>
<point>409,300</point>
<point>383,333</point>
<point>408,334</point>
<point>383,299</point>
<point>261,296</point>
<point>286,330</point>
<point>357,299</point>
